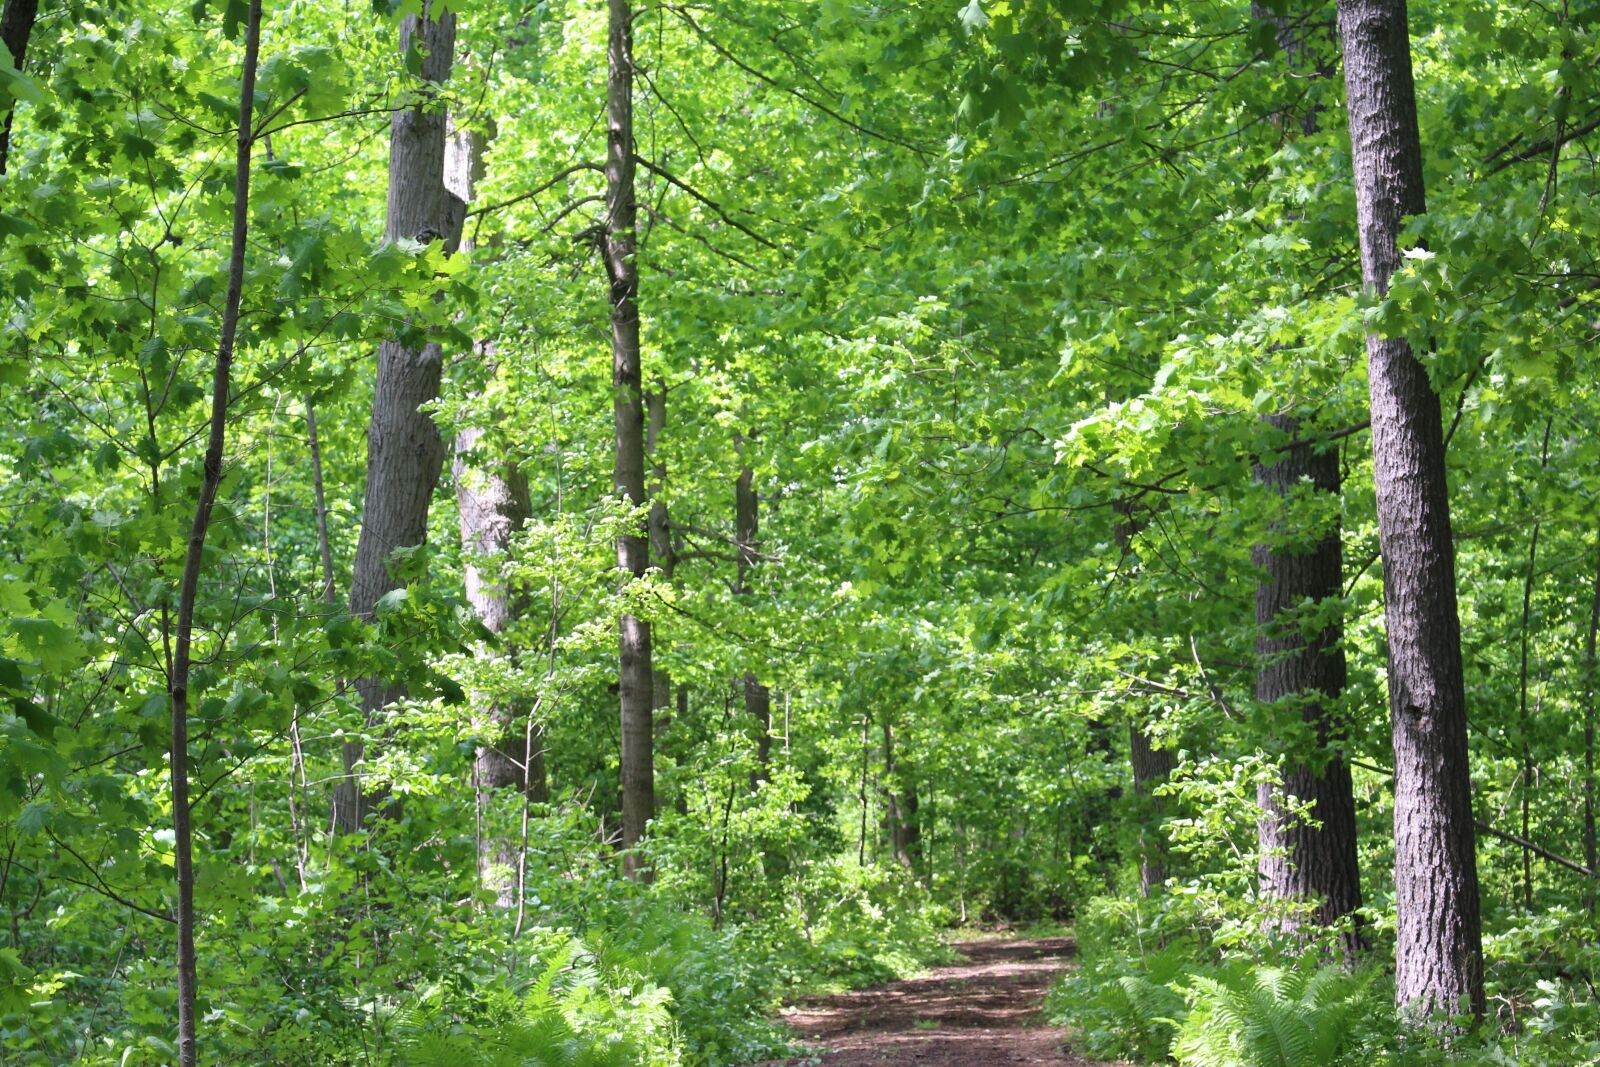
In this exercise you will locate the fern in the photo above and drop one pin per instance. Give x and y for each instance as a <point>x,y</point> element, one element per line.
<point>580,1009</point>
<point>1275,1017</point>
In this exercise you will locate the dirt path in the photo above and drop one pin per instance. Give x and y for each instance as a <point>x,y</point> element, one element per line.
<point>980,1012</point>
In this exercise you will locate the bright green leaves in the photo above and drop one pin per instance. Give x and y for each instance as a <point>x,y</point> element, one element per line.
<point>391,603</point>
<point>29,756</point>
<point>38,629</point>
<point>15,85</point>
<point>314,75</point>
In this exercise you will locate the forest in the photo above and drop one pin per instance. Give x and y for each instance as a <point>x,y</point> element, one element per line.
<point>704,533</point>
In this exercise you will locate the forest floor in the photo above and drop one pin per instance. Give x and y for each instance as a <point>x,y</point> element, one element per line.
<point>983,1011</point>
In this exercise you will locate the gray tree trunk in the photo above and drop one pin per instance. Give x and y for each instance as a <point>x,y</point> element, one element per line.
<point>1301,861</point>
<point>635,684</point>
<point>900,806</point>
<point>404,450</point>
<point>1439,950</point>
<point>1151,767</point>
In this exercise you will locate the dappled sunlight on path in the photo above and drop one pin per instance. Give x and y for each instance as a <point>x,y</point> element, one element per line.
<point>984,1010</point>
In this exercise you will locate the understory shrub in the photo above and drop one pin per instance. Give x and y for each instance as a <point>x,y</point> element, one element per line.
<point>1302,1015</point>
<point>841,924</point>
<point>579,1009</point>
<point>1153,987</point>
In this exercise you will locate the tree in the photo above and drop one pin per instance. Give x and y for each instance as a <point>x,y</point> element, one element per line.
<point>1151,763</point>
<point>635,681</point>
<point>663,551</point>
<point>1438,945</point>
<point>16,27</point>
<point>1312,858</point>
<point>194,558</point>
<point>900,805</point>
<point>404,451</point>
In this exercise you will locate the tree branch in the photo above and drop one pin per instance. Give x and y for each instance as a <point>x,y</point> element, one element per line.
<point>530,194</point>
<point>663,173</point>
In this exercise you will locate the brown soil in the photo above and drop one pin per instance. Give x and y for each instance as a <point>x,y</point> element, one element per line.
<point>981,1012</point>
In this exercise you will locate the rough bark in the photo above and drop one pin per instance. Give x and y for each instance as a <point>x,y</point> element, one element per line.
<point>1306,861</point>
<point>404,451</point>
<point>635,685</point>
<point>493,505</point>
<point>194,557</point>
<point>1439,953</point>
<point>16,27</point>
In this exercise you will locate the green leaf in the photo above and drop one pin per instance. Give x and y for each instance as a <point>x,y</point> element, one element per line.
<point>390,602</point>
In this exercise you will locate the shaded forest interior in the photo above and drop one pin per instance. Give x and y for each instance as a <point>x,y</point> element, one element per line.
<point>541,533</point>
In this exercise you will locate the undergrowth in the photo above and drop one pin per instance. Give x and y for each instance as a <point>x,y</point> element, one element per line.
<point>1154,988</point>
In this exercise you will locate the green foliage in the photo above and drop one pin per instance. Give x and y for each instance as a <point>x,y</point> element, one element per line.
<point>1296,1016</point>
<point>1153,988</point>
<point>577,1009</point>
<point>1181,1001</point>
<point>725,990</point>
<point>1125,1000</point>
<point>846,925</point>
<point>990,296</point>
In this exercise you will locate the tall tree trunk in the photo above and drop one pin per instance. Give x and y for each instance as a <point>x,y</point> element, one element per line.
<point>757,698</point>
<point>1439,945</point>
<point>16,27</point>
<point>1306,861</point>
<point>635,685</point>
<point>1151,766</point>
<point>194,557</point>
<point>493,505</point>
<point>404,450</point>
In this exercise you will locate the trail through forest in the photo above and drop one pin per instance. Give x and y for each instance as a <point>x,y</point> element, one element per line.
<point>984,1010</point>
